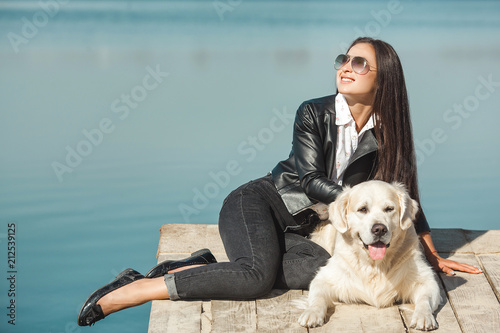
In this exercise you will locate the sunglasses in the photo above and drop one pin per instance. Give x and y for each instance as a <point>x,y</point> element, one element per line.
<point>358,64</point>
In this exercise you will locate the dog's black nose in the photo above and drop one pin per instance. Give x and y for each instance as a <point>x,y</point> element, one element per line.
<point>379,229</point>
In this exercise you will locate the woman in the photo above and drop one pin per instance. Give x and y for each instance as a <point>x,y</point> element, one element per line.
<point>363,132</point>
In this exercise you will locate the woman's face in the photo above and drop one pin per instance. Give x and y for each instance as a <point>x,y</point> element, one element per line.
<point>357,87</point>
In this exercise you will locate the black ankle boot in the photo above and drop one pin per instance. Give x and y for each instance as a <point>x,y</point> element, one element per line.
<point>91,312</point>
<point>201,257</point>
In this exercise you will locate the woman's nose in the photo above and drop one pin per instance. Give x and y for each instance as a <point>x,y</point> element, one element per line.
<point>347,67</point>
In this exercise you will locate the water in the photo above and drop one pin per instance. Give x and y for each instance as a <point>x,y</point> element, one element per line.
<point>220,117</point>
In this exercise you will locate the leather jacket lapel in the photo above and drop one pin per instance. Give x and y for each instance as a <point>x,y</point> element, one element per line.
<point>367,145</point>
<point>363,161</point>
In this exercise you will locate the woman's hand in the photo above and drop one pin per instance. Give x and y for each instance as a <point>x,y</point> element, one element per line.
<point>449,266</point>
<point>440,264</point>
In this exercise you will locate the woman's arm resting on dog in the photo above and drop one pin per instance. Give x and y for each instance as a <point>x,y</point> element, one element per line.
<point>441,264</point>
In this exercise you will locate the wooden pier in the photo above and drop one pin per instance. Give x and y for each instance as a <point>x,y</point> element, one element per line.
<point>470,302</point>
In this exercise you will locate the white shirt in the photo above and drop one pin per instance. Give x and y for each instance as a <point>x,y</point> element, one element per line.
<point>347,143</point>
<point>347,137</point>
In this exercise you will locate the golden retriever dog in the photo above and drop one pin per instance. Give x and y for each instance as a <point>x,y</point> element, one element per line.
<point>376,256</point>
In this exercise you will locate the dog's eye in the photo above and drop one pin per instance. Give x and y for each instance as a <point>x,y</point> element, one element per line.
<point>388,209</point>
<point>362,210</point>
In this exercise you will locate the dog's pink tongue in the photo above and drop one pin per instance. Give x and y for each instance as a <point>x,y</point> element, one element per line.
<point>377,250</point>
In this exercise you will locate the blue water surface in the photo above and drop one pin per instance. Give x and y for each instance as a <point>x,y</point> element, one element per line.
<point>120,116</point>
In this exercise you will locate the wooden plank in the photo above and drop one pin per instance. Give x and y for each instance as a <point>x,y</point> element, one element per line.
<point>178,316</point>
<point>276,312</point>
<point>362,318</point>
<point>178,241</point>
<point>472,298</point>
<point>445,316</point>
<point>188,238</point>
<point>482,241</point>
<point>172,256</point>
<point>206,317</point>
<point>491,267</point>
<point>168,316</point>
<point>450,240</point>
<point>234,316</point>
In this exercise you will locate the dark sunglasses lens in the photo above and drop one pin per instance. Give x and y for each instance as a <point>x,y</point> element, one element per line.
<point>340,61</point>
<point>359,65</point>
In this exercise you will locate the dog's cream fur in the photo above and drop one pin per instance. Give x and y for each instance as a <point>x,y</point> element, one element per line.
<point>352,276</point>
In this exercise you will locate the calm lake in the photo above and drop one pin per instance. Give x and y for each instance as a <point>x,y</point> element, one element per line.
<point>120,116</point>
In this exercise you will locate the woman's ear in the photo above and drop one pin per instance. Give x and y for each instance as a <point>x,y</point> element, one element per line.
<point>408,207</point>
<point>337,211</point>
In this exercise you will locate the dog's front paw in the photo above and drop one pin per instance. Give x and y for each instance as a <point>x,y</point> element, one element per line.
<point>423,321</point>
<point>312,318</point>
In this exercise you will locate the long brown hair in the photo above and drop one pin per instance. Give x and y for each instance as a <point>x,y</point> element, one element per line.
<point>396,154</point>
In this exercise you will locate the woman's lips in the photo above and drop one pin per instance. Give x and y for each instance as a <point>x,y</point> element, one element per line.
<point>346,79</point>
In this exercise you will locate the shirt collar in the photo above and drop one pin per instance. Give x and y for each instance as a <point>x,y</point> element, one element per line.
<point>342,112</point>
<point>368,125</point>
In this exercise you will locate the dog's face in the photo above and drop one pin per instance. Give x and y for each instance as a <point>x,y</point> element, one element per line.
<point>372,214</point>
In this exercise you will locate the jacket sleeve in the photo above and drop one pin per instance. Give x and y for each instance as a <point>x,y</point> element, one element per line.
<point>309,157</point>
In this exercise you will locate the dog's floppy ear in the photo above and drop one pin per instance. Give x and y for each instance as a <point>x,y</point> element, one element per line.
<point>337,211</point>
<point>408,207</point>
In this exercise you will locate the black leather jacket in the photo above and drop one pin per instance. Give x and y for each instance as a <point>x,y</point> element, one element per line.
<point>305,177</point>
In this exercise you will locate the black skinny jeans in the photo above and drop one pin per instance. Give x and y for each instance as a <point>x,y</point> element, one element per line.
<point>261,255</point>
